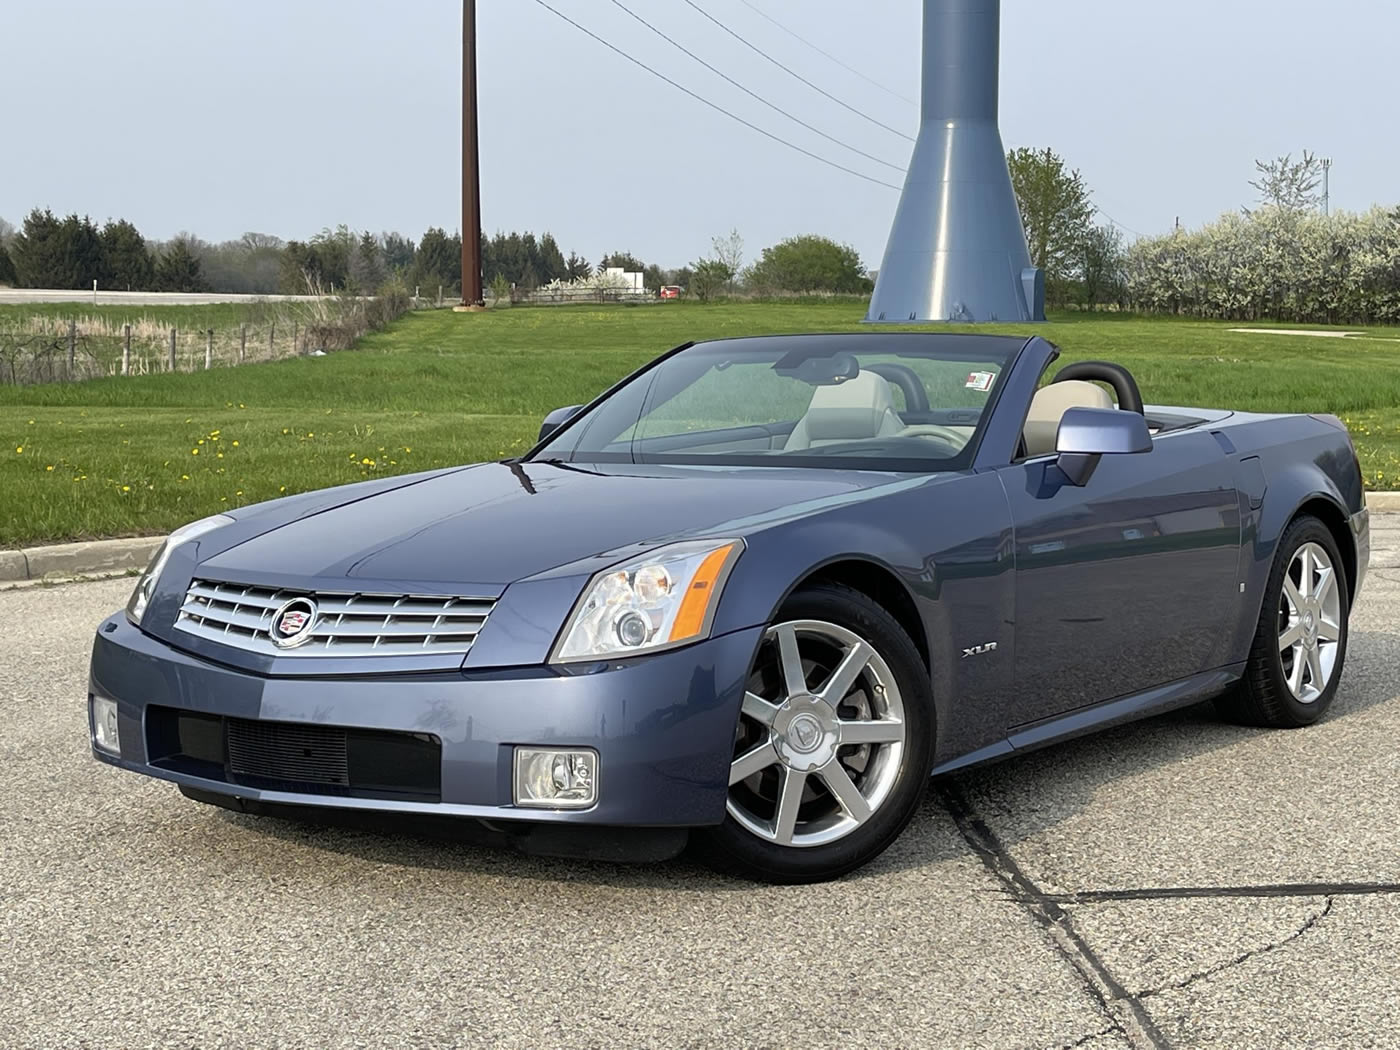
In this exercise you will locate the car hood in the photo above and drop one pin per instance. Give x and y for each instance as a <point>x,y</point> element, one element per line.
<point>497,523</point>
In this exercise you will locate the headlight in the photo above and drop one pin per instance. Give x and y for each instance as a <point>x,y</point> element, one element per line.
<point>660,600</point>
<point>146,586</point>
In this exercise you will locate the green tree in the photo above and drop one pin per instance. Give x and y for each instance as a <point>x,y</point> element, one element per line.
<point>37,252</point>
<point>57,253</point>
<point>710,278</point>
<point>438,262</point>
<point>552,266</point>
<point>367,271</point>
<point>397,252</point>
<point>809,264</point>
<point>624,261</point>
<point>127,258</point>
<point>7,268</point>
<point>654,278</point>
<point>1101,266</point>
<point>1055,209</point>
<point>577,268</point>
<point>179,269</point>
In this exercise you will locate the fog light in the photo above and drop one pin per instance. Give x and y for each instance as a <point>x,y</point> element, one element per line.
<point>552,779</point>
<point>104,725</point>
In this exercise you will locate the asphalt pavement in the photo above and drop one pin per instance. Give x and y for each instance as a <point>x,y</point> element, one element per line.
<point>1178,883</point>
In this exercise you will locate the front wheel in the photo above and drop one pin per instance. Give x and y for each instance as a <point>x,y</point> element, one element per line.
<point>834,742</point>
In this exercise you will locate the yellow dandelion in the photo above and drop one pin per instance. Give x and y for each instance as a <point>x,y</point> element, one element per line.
<point>126,488</point>
<point>31,422</point>
<point>194,452</point>
<point>201,441</point>
<point>408,450</point>
<point>184,477</point>
<point>220,455</point>
<point>239,492</point>
<point>19,450</point>
<point>235,444</point>
<point>49,469</point>
<point>282,489</point>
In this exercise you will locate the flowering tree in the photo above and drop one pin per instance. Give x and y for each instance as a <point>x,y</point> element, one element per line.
<point>1277,262</point>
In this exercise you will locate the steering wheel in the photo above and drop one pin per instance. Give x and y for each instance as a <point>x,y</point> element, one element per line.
<point>934,432</point>
<point>908,381</point>
<point>1116,376</point>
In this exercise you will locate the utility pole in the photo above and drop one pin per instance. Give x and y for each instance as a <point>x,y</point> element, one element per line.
<point>471,166</point>
<point>1326,185</point>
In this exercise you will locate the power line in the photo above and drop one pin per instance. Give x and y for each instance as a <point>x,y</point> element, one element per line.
<point>793,73</point>
<point>827,54</point>
<point>716,107</point>
<point>775,108</point>
<point>1114,222</point>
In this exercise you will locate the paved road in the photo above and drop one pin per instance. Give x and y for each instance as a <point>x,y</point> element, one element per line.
<point>1180,883</point>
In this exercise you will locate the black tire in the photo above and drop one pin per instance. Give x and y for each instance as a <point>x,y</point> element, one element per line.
<point>732,848</point>
<point>1263,697</point>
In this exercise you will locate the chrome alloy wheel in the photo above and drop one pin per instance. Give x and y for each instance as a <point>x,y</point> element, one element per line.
<point>821,737</point>
<point>1310,622</point>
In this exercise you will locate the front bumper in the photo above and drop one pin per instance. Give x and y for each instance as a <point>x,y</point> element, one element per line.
<point>663,726</point>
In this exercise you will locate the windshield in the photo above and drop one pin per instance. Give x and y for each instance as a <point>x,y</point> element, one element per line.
<point>891,402</point>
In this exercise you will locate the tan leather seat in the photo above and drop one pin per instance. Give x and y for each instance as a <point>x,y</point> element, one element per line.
<point>855,410</point>
<point>1049,406</point>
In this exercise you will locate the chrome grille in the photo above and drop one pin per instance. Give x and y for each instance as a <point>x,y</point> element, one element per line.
<point>347,624</point>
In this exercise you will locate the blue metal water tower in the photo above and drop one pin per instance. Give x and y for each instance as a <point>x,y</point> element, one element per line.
<point>957,251</point>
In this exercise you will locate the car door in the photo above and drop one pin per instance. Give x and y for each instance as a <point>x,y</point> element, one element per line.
<point>1127,582</point>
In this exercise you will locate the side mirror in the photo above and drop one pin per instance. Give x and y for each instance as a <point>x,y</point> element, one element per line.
<point>555,420</point>
<point>1087,434</point>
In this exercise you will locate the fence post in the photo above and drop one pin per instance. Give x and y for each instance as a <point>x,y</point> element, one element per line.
<point>126,349</point>
<point>72,347</point>
<point>294,339</point>
<point>439,297</point>
<point>272,339</point>
<point>209,349</point>
<point>172,349</point>
<point>242,342</point>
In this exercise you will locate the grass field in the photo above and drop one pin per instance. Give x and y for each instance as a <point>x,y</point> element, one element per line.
<point>119,457</point>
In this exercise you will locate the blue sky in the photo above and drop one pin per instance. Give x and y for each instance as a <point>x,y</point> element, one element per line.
<point>284,117</point>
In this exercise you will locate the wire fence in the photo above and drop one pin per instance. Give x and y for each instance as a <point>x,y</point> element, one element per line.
<point>42,349</point>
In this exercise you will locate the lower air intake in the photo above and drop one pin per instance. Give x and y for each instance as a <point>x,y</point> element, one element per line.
<point>281,751</point>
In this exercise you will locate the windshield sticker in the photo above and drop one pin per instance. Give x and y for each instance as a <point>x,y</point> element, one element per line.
<point>981,380</point>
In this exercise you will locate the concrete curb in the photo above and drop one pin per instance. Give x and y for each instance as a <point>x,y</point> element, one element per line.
<point>111,557</point>
<point>93,558</point>
<point>1383,502</point>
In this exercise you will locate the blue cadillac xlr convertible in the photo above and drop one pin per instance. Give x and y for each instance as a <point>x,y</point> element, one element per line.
<point>752,596</point>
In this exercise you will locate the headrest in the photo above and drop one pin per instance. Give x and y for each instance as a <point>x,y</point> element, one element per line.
<point>851,410</point>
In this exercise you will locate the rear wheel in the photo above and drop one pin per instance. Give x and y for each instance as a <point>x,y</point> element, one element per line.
<point>834,742</point>
<point>1300,647</point>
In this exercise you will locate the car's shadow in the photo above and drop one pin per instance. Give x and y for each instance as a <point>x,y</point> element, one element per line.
<point>1062,778</point>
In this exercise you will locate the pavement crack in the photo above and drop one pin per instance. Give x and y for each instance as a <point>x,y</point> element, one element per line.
<point>1280,889</point>
<point>1137,1026</point>
<point>1090,1036</point>
<point>1254,953</point>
